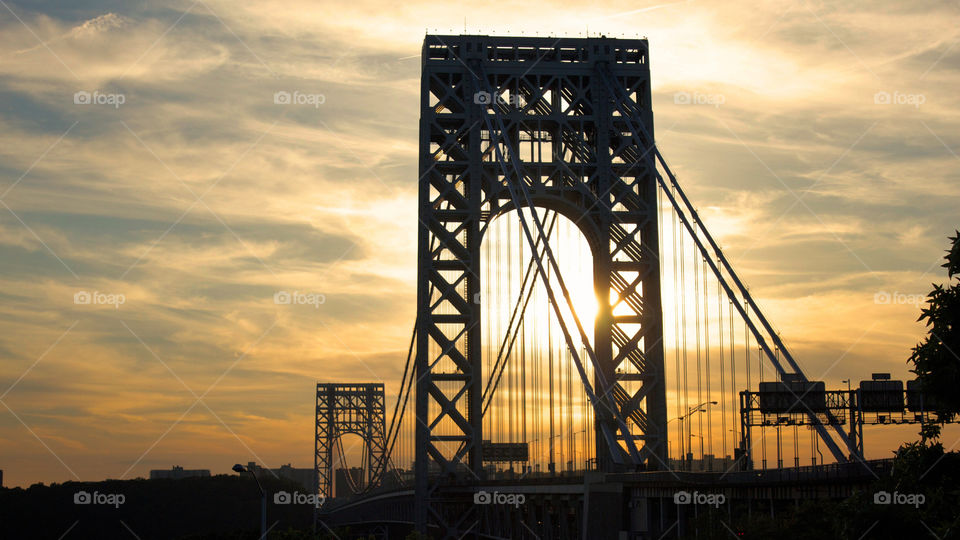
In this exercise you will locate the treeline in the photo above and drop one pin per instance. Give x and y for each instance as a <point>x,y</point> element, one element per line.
<point>218,507</point>
<point>920,499</point>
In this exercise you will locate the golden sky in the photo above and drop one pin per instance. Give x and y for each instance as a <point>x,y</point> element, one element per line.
<point>820,145</point>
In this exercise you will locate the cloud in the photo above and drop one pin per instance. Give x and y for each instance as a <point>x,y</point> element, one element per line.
<point>321,198</point>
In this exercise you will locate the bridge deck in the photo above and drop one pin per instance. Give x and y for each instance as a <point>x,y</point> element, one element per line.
<point>577,497</point>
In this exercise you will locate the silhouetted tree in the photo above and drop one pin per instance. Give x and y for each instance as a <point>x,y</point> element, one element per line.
<point>936,359</point>
<point>221,507</point>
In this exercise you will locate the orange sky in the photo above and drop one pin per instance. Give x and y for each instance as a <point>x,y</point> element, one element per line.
<point>820,146</point>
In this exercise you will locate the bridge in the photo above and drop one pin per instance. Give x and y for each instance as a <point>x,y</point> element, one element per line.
<point>663,504</point>
<point>577,326</point>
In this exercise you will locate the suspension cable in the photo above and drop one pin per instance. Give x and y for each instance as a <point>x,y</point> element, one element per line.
<point>723,387</point>
<point>701,230</point>
<point>519,310</point>
<point>706,358</point>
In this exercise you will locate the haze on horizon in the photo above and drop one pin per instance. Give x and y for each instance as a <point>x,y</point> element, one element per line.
<point>819,142</point>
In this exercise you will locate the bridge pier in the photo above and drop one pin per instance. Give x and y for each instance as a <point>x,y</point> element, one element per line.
<point>602,507</point>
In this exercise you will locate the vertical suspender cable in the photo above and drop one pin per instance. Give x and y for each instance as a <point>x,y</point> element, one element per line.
<point>561,407</point>
<point>676,330</point>
<point>660,255</point>
<point>567,363</point>
<point>486,297</point>
<point>746,351</point>
<point>706,348</point>
<point>683,328</point>
<point>517,366</point>
<point>696,319</point>
<point>511,379</point>
<point>723,386</point>
<point>524,438</point>
<point>759,380</point>
<point>735,402</point>
<point>748,359</point>
<point>532,350</point>
<point>550,379</point>
<point>501,410</point>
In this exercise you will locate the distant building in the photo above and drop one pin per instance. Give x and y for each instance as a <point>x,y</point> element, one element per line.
<point>397,477</point>
<point>1,478</point>
<point>178,472</point>
<point>341,486</point>
<point>304,477</point>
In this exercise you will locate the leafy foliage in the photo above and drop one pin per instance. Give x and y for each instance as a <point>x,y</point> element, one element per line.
<point>936,359</point>
<point>919,469</point>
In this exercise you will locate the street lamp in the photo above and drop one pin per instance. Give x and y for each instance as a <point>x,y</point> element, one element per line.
<point>574,435</point>
<point>679,439</point>
<point>690,430</point>
<point>240,469</point>
<point>688,459</point>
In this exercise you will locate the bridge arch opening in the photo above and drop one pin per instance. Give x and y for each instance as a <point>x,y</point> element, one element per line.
<point>351,464</point>
<point>533,393</point>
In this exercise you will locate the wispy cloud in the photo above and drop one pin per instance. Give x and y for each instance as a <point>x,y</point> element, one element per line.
<point>325,201</point>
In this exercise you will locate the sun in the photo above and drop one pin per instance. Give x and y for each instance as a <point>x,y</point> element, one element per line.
<point>508,265</point>
<point>583,296</point>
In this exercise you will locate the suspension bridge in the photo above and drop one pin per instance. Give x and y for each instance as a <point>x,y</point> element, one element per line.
<point>577,326</point>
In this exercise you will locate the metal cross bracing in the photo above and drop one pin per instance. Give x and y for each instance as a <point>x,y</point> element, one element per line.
<point>508,124</point>
<point>344,409</point>
<point>513,124</point>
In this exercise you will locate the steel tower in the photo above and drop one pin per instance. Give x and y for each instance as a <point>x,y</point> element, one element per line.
<point>509,123</point>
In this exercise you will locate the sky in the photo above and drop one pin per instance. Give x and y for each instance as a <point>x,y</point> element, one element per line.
<point>154,198</point>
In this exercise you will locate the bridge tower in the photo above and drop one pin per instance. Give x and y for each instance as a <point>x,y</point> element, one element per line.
<point>555,120</point>
<point>344,409</point>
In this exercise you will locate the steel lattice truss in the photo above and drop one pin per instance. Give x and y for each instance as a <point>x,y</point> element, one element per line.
<point>344,409</point>
<point>494,110</point>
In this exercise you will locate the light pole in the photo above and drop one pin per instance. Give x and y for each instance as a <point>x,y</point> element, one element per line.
<point>238,468</point>
<point>530,442</point>
<point>680,440</point>
<point>688,459</point>
<point>552,466</point>
<point>574,435</point>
